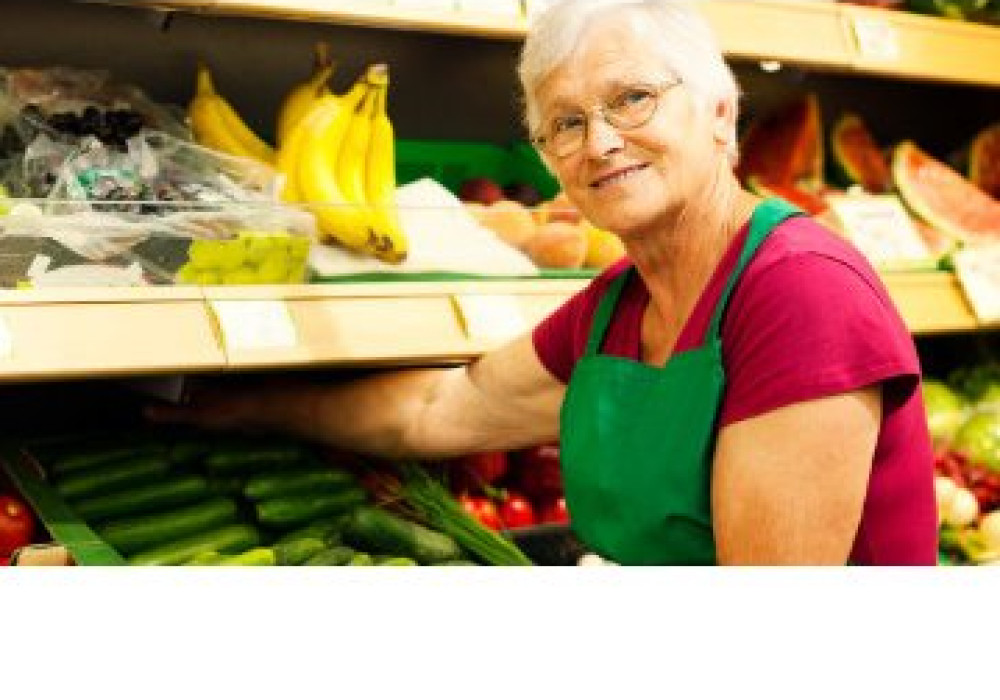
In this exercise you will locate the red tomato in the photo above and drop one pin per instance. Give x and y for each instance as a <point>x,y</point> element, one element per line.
<point>516,511</point>
<point>485,467</point>
<point>17,525</point>
<point>555,511</point>
<point>539,474</point>
<point>482,509</point>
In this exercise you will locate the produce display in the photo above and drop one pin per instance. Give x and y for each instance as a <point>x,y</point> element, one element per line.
<point>963,415</point>
<point>172,498</point>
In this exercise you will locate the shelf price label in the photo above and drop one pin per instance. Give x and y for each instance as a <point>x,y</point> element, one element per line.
<point>876,38</point>
<point>879,227</point>
<point>490,317</point>
<point>254,324</point>
<point>978,271</point>
<point>6,340</point>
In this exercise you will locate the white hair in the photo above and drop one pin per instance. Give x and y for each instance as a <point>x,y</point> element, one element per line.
<point>687,45</point>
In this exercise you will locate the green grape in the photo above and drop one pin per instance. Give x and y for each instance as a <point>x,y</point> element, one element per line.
<point>259,247</point>
<point>241,275</point>
<point>187,274</point>
<point>230,255</point>
<point>201,254</point>
<point>274,269</point>
<point>207,277</point>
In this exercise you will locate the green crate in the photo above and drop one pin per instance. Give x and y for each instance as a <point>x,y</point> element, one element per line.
<point>453,162</point>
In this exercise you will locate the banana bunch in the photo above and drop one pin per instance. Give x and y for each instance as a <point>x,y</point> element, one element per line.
<point>301,97</point>
<point>339,158</point>
<point>217,125</point>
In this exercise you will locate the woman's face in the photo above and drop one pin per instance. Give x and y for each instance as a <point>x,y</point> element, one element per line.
<point>629,180</point>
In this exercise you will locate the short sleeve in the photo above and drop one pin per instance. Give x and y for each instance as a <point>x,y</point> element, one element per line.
<point>810,325</point>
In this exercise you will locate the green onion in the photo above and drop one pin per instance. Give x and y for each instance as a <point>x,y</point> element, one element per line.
<point>435,505</point>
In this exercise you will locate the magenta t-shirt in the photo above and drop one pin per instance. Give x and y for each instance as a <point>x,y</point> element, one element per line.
<point>808,318</point>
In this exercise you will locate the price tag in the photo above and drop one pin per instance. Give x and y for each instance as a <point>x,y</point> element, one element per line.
<point>255,325</point>
<point>6,339</point>
<point>877,38</point>
<point>492,317</point>
<point>879,227</point>
<point>978,271</point>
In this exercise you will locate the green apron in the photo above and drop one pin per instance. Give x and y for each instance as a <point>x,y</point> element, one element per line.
<point>637,442</point>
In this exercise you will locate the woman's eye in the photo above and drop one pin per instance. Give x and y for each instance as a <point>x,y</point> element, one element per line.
<point>631,98</point>
<point>570,122</point>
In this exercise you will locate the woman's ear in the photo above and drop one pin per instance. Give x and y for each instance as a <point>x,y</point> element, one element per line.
<point>723,120</point>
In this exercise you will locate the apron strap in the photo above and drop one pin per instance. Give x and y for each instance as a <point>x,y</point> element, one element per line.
<point>765,218</point>
<point>602,316</point>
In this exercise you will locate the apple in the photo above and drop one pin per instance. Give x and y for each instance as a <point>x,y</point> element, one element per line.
<point>480,189</point>
<point>522,192</point>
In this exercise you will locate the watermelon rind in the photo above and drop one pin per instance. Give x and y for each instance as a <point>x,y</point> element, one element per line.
<point>910,190</point>
<point>984,161</point>
<point>805,200</point>
<point>866,166</point>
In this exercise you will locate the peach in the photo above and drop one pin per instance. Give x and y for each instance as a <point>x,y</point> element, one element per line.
<point>510,221</point>
<point>559,208</point>
<point>558,244</point>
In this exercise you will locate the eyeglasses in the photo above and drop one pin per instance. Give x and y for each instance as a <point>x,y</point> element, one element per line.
<point>629,108</point>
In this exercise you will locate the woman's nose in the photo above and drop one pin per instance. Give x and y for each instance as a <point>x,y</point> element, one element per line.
<point>601,138</point>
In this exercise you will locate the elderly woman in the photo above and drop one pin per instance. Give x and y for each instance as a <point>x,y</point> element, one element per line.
<point>738,390</point>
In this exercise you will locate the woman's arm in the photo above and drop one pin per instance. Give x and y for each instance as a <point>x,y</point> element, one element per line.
<point>788,486</point>
<point>504,400</point>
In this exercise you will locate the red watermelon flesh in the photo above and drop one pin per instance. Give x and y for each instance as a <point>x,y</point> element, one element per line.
<point>984,161</point>
<point>943,198</point>
<point>784,146</point>
<point>807,201</point>
<point>857,155</point>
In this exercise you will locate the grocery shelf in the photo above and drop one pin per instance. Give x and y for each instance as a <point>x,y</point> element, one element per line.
<point>50,334</point>
<point>825,35</point>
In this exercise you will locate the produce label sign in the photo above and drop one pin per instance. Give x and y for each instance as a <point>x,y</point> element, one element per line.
<point>254,325</point>
<point>876,38</point>
<point>978,271</point>
<point>490,317</point>
<point>880,228</point>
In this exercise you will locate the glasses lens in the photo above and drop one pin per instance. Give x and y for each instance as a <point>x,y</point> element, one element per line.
<point>631,108</point>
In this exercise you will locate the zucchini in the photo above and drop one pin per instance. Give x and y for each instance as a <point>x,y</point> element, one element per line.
<point>171,491</point>
<point>131,535</point>
<point>223,540</point>
<point>378,530</point>
<point>333,556</point>
<point>298,551</point>
<point>258,556</point>
<point>261,487</point>
<point>252,458</point>
<point>113,476</point>
<point>291,511</point>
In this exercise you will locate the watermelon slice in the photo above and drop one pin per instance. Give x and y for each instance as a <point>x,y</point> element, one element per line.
<point>807,201</point>
<point>984,161</point>
<point>857,157</point>
<point>785,146</point>
<point>943,198</point>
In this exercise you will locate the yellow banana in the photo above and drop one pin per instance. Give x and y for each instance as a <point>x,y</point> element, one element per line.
<point>217,125</point>
<point>289,153</point>
<point>316,176</point>
<point>350,166</point>
<point>303,96</point>
<point>389,240</point>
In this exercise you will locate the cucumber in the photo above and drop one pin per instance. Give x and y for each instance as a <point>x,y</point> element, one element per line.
<point>296,552</point>
<point>326,529</point>
<point>226,485</point>
<point>457,562</point>
<point>209,558</point>
<point>113,476</point>
<point>394,561</point>
<point>250,459</point>
<point>131,535</point>
<point>258,556</point>
<point>171,491</point>
<point>261,487</point>
<point>189,451</point>
<point>100,456</point>
<point>292,511</point>
<point>378,530</point>
<point>361,559</point>
<point>223,540</point>
<point>333,556</point>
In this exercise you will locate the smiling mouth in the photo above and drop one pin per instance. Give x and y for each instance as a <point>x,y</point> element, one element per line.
<point>618,176</point>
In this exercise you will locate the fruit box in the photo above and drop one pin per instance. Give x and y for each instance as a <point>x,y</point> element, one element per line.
<point>453,162</point>
<point>48,243</point>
